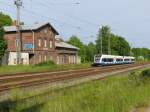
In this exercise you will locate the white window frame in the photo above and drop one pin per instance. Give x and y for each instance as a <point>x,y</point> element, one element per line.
<point>51,44</point>
<point>39,42</point>
<point>45,43</point>
<point>45,57</point>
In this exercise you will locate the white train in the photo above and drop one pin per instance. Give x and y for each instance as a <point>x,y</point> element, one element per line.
<point>112,60</point>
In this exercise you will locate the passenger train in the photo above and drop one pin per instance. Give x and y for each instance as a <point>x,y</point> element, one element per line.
<point>112,60</point>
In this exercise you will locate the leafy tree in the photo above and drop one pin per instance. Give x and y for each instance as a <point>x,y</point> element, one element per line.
<point>118,45</point>
<point>5,20</point>
<point>123,47</point>
<point>74,40</point>
<point>3,45</point>
<point>104,34</point>
<point>90,52</point>
<point>141,52</point>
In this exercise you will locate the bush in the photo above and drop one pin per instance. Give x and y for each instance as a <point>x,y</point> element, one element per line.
<point>146,73</point>
<point>46,63</point>
<point>145,76</point>
<point>134,78</point>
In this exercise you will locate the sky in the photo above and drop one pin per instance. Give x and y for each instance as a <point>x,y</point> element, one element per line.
<point>127,18</point>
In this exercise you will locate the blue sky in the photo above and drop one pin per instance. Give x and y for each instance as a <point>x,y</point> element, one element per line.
<point>128,18</point>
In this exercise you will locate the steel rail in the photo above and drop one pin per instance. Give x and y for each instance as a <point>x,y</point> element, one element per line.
<point>7,83</point>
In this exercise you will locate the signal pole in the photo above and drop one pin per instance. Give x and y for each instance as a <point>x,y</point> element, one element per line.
<point>18,4</point>
<point>101,45</point>
<point>109,46</point>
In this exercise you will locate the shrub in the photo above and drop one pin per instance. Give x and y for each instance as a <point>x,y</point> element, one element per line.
<point>146,73</point>
<point>134,78</point>
<point>145,76</point>
<point>46,63</point>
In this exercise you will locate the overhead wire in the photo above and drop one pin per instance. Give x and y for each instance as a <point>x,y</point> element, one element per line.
<point>47,17</point>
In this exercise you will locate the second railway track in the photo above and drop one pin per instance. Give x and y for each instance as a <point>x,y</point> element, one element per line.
<point>8,82</point>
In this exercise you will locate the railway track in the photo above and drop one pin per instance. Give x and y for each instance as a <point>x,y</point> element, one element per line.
<point>8,82</point>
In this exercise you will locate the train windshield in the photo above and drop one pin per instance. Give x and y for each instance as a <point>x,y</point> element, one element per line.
<point>97,58</point>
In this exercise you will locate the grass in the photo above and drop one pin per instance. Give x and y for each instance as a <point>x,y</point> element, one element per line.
<point>115,94</point>
<point>112,95</point>
<point>40,68</point>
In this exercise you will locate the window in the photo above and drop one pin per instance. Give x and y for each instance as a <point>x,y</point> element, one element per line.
<point>107,60</point>
<point>119,60</point>
<point>58,60</point>
<point>51,44</point>
<point>45,31</point>
<point>45,43</point>
<point>126,59</point>
<point>39,42</point>
<point>45,58</point>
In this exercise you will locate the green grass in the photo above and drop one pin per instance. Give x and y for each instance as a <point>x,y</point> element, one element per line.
<point>115,94</point>
<point>40,68</point>
<point>112,95</point>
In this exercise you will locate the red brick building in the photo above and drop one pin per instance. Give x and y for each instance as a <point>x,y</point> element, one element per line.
<point>38,44</point>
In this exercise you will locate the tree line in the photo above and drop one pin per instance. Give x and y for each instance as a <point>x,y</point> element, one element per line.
<point>108,43</point>
<point>105,43</point>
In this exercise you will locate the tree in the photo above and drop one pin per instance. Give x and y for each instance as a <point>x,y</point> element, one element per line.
<point>74,40</point>
<point>141,52</point>
<point>104,34</point>
<point>5,20</point>
<point>3,45</point>
<point>123,47</point>
<point>118,44</point>
<point>90,52</point>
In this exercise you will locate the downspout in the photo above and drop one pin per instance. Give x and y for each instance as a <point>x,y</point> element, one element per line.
<point>33,36</point>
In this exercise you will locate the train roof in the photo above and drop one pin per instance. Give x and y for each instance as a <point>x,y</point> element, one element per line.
<point>112,56</point>
<point>115,56</point>
<point>129,57</point>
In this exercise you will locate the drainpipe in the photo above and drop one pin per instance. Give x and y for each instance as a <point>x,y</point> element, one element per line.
<point>33,35</point>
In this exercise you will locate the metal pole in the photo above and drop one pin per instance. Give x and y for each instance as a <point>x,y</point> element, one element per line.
<point>109,48</point>
<point>18,4</point>
<point>101,43</point>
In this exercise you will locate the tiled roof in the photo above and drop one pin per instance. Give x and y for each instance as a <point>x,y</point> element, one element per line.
<point>28,27</point>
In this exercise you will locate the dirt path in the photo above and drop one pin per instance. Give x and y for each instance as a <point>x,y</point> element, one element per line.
<point>148,110</point>
<point>145,108</point>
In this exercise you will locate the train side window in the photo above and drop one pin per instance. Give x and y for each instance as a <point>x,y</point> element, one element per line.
<point>119,60</point>
<point>127,60</point>
<point>104,60</point>
<point>109,60</point>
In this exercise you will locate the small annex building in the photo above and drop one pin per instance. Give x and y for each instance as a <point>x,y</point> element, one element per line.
<point>66,53</point>
<point>38,44</point>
